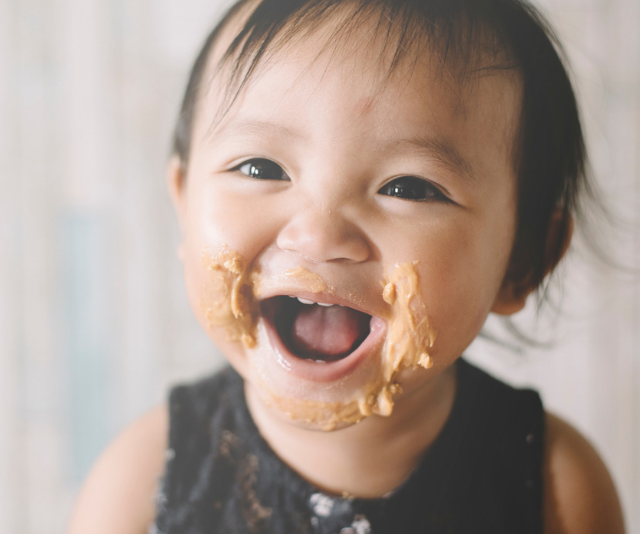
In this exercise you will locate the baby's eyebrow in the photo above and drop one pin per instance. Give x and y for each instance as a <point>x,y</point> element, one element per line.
<point>257,127</point>
<point>438,148</point>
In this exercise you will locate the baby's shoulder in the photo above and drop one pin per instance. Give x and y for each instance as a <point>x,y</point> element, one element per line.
<point>119,494</point>
<point>580,496</point>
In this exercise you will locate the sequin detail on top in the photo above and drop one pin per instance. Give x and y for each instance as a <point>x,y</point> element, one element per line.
<point>331,514</point>
<point>481,475</point>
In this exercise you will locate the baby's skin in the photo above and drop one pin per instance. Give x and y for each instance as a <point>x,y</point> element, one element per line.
<point>346,233</point>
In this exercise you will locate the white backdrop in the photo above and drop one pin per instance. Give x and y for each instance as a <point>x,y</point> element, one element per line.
<point>94,323</point>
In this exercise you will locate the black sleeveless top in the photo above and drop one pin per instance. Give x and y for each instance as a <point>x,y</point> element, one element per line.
<point>483,474</point>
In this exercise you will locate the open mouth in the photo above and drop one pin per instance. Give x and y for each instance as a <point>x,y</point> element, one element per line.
<point>319,332</point>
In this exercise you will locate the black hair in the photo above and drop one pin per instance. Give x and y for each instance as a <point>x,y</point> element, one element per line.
<point>551,156</point>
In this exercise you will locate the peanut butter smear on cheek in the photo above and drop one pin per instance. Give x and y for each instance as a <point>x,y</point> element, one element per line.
<point>231,302</point>
<point>229,299</point>
<point>410,336</point>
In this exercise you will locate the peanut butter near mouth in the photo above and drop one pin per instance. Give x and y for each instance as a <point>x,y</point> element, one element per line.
<point>230,301</point>
<point>410,336</point>
<point>311,281</point>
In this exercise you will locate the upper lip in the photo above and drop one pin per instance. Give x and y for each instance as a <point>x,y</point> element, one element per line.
<point>329,296</point>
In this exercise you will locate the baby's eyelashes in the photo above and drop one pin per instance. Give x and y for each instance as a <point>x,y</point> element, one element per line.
<point>261,169</point>
<point>403,187</point>
<point>413,188</point>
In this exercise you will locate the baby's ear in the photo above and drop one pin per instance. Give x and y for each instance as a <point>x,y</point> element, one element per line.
<point>516,287</point>
<point>176,184</point>
<point>512,297</point>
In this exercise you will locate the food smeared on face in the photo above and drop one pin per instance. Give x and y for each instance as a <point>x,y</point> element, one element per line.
<point>230,296</point>
<point>311,281</point>
<point>312,336</point>
<point>410,336</point>
<point>343,334</point>
<point>228,299</point>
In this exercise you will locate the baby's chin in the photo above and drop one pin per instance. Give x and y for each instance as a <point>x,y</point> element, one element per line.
<point>308,394</point>
<point>316,409</point>
<point>307,410</point>
<point>311,415</point>
<point>339,395</point>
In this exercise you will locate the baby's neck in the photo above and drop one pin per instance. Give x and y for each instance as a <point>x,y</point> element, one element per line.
<point>368,459</point>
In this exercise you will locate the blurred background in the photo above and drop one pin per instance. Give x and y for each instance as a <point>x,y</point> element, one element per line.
<point>94,323</point>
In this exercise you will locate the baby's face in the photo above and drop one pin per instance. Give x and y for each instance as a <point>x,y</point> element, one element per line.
<point>325,183</point>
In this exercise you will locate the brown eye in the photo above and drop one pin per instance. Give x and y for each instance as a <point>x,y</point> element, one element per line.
<point>412,188</point>
<point>261,169</point>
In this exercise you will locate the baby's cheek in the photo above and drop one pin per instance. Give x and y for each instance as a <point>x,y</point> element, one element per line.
<point>225,297</point>
<point>195,280</point>
<point>223,217</point>
<point>457,303</point>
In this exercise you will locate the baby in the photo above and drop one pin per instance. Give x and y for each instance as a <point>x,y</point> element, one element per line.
<point>359,184</point>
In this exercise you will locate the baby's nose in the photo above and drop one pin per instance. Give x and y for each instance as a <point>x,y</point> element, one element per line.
<point>322,234</point>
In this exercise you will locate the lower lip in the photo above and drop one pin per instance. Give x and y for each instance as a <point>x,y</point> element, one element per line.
<point>319,371</point>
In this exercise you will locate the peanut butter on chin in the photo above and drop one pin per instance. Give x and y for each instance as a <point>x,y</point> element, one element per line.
<point>230,301</point>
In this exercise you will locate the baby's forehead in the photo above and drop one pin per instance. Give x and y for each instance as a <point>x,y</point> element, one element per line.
<point>458,81</point>
<point>459,57</point>
<point>417,99</point>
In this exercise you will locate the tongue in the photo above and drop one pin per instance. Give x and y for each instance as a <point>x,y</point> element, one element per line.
<point>328,333</point>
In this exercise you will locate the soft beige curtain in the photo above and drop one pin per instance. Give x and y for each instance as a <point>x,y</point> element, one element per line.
<point>93,318</point>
